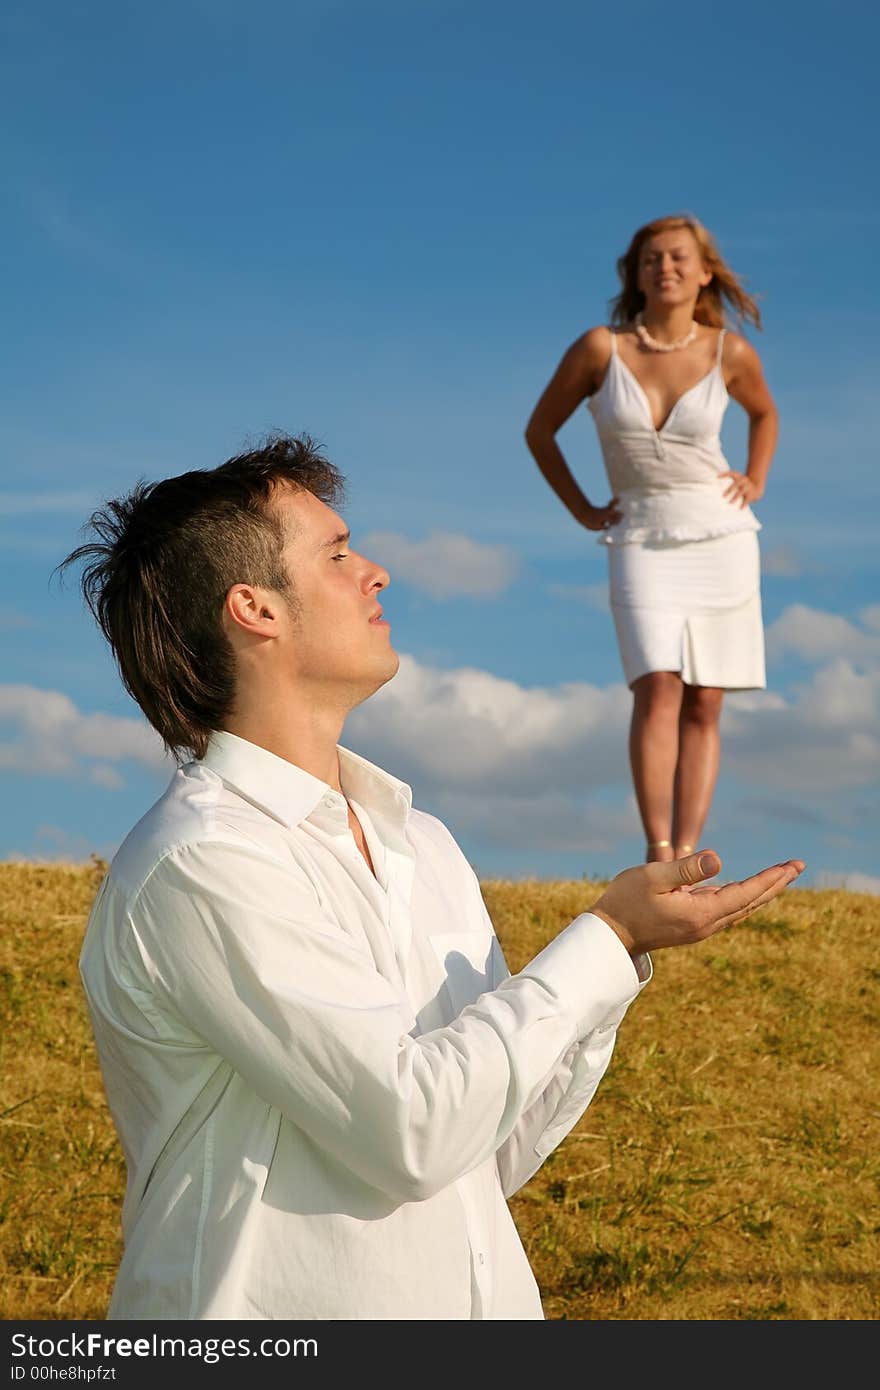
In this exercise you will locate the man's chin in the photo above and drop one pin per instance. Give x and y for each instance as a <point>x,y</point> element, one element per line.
<point>393,667</point>
<point>384,672</point>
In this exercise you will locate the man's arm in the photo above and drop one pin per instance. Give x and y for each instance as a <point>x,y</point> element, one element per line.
<point>238,957</point>
<point>295,1005</point>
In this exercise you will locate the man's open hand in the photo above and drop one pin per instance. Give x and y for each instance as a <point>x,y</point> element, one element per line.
<point>656,905</point>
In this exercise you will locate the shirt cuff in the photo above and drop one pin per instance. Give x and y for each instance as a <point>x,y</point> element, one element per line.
<point>591,973</point>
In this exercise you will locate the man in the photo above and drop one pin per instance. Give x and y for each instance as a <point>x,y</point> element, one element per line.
<point>324,1079</point>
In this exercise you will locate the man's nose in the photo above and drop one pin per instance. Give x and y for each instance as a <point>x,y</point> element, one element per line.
<point>379,578</point>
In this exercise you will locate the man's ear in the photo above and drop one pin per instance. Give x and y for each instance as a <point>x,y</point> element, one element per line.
<point>253,609</point>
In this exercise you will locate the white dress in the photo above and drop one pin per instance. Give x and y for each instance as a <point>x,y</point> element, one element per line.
<point>684,563</point>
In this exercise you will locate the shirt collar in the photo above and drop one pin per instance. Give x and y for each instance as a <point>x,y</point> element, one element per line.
<point>373,787</point>
<point>289,793</point>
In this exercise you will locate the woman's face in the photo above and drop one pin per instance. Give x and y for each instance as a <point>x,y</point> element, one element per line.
<point>670,270</point>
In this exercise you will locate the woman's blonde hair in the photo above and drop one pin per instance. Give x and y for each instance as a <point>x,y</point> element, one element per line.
<point>724,285</point>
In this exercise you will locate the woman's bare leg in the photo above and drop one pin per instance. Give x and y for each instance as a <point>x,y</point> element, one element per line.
<point>699,751</point>
<point>653,754</point>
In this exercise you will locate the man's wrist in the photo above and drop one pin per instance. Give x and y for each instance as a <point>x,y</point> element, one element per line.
<point>617,927</point>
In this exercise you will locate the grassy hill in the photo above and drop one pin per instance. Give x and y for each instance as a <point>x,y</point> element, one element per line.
<point>727,1169</point>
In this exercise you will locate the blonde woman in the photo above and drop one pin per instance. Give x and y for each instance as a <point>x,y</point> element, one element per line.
<point>681,537</point>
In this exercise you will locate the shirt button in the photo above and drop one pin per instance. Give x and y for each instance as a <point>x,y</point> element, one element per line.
<point>482,1261</point>
<point>329,802</point>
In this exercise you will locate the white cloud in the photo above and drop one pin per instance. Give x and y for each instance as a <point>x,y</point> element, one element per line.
<point>524,765</point>
<point>50,736</point>
<point>815,635</point>
<point>543,766</point>
<point>842,700</point>
<point>743,701</point>
<point>871,617</point>
<point>512,766</point>
<point>822,740</point>
<point>850,882</point>
<point>445,564</point>
<point>468,728</point>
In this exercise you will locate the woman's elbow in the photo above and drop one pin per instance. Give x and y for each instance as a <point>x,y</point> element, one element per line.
<point>537,434</point>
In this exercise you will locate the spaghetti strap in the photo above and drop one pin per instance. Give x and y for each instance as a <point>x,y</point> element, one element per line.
<point>613,342</point>
<point>720,347</point>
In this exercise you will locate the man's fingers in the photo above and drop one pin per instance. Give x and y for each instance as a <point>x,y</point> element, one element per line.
<point>669,904</point>
<point>734,901</point>
<point>768,896</point>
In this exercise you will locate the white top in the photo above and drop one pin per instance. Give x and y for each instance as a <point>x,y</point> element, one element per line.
<point>668,480</point>
<point>326,1084</point>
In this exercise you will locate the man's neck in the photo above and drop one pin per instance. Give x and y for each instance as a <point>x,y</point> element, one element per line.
<point>310,744</point>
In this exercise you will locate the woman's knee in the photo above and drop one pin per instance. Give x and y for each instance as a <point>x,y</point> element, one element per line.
<point>657,693</point>
<point>701,704</point>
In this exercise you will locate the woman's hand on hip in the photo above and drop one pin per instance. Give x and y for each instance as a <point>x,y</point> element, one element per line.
<point>741,490</point>
<point>600,518</point>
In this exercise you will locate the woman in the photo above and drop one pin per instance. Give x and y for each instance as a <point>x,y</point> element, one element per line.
<point>684,566</point>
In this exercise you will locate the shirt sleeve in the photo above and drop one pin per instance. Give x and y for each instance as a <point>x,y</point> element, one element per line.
<point>241,961</point>
<point>565,1099</point>
<point>555,1112</point>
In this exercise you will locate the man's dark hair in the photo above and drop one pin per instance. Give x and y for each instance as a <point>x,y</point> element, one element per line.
<point>167,554</point>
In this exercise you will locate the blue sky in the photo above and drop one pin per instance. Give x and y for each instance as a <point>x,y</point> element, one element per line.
<point>383,223</point>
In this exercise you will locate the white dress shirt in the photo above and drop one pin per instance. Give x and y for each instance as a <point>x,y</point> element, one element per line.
<point>326,1082</point>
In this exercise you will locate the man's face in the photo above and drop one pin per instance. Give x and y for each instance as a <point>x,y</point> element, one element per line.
<point>337,641</point>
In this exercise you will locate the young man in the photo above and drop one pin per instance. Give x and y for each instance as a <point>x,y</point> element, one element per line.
<point>325,1081</point>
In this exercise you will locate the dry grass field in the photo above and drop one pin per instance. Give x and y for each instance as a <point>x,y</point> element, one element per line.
<point>727,1169</point>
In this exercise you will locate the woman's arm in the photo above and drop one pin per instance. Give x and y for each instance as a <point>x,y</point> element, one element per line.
<point>577,376</point>
<point>748,388</point>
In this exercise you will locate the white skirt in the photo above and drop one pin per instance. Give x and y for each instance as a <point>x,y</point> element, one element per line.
<point>692,607</point>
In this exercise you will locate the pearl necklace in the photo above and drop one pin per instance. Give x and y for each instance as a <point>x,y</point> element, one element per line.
<point>652,343</point>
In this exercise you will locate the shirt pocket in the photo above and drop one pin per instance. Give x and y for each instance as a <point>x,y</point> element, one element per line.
<point>468,960</point>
